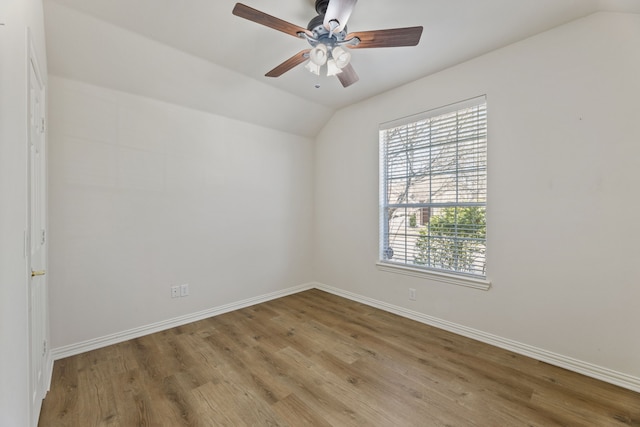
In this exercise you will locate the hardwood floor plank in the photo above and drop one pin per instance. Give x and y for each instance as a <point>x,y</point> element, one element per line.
<point>214,406</point>
<point>136,405</point>
<point>339,403</point>
<point>63,404</point>
<point>400,400</point>
<point>578,408</point>
<point>314,358</point>
<point>98,399</point>
<point>295,412</point>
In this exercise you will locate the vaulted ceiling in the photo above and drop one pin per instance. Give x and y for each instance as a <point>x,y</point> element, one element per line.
<point>79,34</point>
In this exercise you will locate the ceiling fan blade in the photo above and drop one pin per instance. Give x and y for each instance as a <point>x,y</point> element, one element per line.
<point>338,10</point>
<point>296,59</point>
<point>246,12</point>
<point>409,36</point>
<point>348,76</point>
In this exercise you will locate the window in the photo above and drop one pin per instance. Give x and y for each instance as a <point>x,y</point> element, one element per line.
<point>433,188</point>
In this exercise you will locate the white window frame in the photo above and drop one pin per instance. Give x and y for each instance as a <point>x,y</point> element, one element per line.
<point>476,281</point>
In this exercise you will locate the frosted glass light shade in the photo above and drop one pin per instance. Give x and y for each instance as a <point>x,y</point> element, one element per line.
<point>318,55</point>
<point>313,67</point>
<point>332,68</point>
<point>341,56</point>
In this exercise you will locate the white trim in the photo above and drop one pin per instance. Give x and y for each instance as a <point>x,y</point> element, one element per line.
<point>585,368</point>
<point>470,282</point>
<point>49,371</point>
<point>92,344</point>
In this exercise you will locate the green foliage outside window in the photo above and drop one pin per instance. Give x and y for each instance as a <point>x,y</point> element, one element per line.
<point>454,239</point>
<point>413,221</point>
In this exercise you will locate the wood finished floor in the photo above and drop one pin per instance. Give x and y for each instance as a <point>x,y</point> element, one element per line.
<point>315,359</point>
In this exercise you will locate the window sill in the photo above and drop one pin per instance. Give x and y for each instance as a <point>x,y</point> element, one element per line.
<point>470,282</point>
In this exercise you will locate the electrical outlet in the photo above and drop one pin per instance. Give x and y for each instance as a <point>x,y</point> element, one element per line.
<point>175,291</point>
<point>184,290</point>
<point>412,294</point>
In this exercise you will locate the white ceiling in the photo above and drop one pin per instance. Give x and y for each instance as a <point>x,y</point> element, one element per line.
<point>454,31</point>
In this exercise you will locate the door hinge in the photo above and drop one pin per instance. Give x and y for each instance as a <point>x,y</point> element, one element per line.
<point>43,237</point>
<point>44,347</point>
<point>42,125</point>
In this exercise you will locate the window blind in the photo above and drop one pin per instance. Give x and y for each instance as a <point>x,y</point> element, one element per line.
<point>433,189</point>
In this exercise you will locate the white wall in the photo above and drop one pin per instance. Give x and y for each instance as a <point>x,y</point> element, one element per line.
<point>17,16</point>
<point>563,182</point>
<point>87,49</point>
<point>145,195</point>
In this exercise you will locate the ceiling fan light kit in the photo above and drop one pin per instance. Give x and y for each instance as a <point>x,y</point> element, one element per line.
<point>341,56</point>
<point>336,59</point>
<point>318,55</point>
<point>332,68</point>
<point>327,35</point>
<point>313,67</point>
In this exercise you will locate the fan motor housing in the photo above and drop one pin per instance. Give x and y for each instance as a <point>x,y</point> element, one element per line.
<point>321,6</point>
<point>320,32</point>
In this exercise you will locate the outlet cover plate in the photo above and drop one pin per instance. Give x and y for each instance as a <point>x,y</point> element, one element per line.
<point>184,290</point>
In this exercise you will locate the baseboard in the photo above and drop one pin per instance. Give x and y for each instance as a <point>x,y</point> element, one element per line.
<point>92,344</point>
<point>49,370</point>
<point>581,367</point>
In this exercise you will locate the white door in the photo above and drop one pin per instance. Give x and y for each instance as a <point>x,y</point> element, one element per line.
<point>37,245</point>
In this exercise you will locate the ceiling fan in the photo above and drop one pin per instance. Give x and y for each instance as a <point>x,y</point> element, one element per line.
<point>327,35</point>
